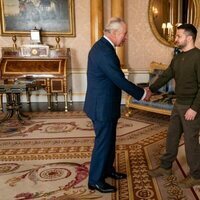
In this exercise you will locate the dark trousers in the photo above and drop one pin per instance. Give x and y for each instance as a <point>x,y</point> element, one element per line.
<point>178,126</point>
<point>103,154</point>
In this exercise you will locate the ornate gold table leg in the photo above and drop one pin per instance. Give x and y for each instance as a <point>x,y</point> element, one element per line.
<point>65,100</point>
<point>48,94</point>
<point>49,101</point>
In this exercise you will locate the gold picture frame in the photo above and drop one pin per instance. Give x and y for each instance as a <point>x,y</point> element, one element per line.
<point>35,36</point>
<point>52,17</point>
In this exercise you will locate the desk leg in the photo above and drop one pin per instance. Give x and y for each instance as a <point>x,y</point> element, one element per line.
<point>49,100</point>
<point>65,100</point>
<point>49,93</point>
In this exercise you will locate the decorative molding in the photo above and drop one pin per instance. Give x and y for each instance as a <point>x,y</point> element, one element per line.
<point>117,10</point>
<point>96,19</point>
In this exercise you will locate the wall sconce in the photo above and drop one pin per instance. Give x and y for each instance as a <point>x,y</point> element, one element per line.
<point>155,11</point>
<point>164,26</point>
<point>170,31</point>
<point>170,35</point>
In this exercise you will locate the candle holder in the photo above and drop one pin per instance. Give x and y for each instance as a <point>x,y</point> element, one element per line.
<point>170,37</point>
<point>14,39</point>
<point>57,42</point>
<point>169,31</point>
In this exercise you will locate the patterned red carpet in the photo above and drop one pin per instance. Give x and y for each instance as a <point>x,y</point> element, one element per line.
<point>48,157</point>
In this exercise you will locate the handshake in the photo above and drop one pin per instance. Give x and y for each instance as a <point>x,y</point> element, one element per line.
<point>148,94</point>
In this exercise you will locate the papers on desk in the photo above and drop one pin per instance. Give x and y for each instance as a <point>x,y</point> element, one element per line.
<point>25,81</point>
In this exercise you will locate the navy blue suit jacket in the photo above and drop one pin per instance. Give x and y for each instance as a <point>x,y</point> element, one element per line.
<point>105,80</point>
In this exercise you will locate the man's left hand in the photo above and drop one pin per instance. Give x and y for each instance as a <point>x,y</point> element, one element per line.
<point>190,114</point>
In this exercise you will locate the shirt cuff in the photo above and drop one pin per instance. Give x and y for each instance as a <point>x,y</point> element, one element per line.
<point>144,95</point>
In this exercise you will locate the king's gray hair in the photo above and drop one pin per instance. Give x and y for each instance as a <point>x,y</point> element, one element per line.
<point>114,24</point>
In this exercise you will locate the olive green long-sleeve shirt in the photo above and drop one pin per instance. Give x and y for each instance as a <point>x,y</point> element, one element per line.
<point>185,69</point>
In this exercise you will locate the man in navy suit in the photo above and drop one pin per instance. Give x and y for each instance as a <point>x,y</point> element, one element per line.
<point>105,80</point>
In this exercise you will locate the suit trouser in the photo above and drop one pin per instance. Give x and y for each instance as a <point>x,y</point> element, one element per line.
<point>177,126</point>
<point>103,154</point>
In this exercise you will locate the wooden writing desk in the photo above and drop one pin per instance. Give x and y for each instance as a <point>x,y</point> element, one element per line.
<point>52,72</point>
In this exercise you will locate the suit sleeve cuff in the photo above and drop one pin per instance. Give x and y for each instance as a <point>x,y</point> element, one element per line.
<point>144,95</point>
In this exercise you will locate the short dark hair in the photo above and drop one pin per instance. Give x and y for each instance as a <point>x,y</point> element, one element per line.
<point>190,29</point>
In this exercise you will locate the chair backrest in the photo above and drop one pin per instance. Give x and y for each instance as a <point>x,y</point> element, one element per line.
<point>155,65</point>
<point>156,69</point>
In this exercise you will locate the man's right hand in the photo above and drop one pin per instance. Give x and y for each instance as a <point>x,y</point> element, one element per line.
<point>148,94</point>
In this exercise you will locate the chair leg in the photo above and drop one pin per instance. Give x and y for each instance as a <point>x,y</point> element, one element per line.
<point>128,112</point>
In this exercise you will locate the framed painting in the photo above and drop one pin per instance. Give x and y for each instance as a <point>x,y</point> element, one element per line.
<point>51,17</point>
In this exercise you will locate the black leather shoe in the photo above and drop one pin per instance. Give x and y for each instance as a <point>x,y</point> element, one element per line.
<point>103,188</point>
<point>117,175</point>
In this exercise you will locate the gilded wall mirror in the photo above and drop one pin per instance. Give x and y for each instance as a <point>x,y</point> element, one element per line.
<point>166,15</point>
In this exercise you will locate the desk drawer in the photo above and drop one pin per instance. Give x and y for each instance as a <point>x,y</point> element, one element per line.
<point>57,85</point>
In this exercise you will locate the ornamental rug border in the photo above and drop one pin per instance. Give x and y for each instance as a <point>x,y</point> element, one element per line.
<point>75,189</point>
<point>130,159</point>
<point>133,159</point>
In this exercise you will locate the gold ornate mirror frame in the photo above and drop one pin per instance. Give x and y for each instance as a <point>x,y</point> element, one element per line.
<point>154,28</point>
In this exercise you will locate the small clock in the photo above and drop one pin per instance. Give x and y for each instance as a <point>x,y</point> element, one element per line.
<point>34,52</point>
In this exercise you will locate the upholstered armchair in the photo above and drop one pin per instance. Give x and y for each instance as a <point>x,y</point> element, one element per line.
<point>161,102</point>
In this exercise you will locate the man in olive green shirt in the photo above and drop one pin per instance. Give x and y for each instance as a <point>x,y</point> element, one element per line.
<point>185,117</point>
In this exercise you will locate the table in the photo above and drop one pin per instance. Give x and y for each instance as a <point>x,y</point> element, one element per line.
<point>13,103</point>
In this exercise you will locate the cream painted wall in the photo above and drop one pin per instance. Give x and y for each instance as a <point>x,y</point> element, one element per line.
<point>141,48</point>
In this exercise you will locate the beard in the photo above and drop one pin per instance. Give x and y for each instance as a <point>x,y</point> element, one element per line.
<point>181,45</point>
